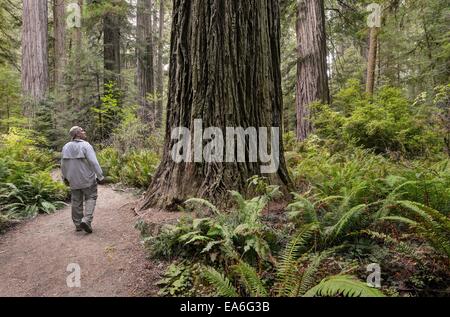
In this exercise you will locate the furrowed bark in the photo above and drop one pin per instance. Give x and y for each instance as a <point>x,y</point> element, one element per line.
<point>312,78</point>
<point>35,78</point>
<point>225,70</point>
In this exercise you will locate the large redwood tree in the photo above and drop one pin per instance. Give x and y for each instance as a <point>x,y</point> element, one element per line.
<point>225,70</point>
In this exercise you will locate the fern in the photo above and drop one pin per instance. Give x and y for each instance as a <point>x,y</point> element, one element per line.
<point>287,271</point>
<point>407,221</point>
<point>309,275</point>
<point>431,224</point>
<point>250,279</point>
<point>430,215</point>
<point>201,201</point>
<point>220,282</point>
<point>343,285</point>
<point>400,246</point>
<point>345,224</point>
<point>238,198</point>
<point>302,208</point>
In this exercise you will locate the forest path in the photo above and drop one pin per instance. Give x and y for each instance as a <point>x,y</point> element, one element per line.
<point>35,254</point>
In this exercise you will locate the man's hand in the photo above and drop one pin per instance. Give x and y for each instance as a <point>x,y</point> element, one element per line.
<point>101,182</point>
<point>66,182</point>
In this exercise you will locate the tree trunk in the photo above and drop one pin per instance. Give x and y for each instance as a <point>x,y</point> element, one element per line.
<point>59,18</point>
<point>78,51</point>
<point>312,78</point>
<point>159,74</point>
<point>144,47</point>
<point>372,61</point>
<point>35,77</point>
<point>8,115</point>
<point>224,70</point>
<point>111,48</point>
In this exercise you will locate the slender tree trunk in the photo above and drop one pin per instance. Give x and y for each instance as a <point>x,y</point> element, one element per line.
<point>8,115</point>
<point>160,76</point>
<point>144,45</point>
<point>59,13</point>
<point>78,50</point>
<point>111,48</point>
<point>372,61</point>
<point>224,70</point>
<point>312,78</point>
<point>429,52</point>
<point>35,77</point>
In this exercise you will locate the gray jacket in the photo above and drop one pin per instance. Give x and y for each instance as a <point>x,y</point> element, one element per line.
<point>79,164</point>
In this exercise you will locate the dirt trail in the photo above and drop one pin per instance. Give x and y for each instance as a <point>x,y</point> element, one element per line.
<point>35,254</point>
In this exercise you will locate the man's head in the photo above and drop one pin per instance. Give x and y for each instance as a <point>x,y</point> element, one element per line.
<point>77,133</point>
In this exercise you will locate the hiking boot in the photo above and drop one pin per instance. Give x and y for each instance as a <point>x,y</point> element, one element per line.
<point>86,227</point>
<point>78,228</point>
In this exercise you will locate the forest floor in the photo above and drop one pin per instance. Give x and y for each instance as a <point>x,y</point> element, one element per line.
<point>35,254</point>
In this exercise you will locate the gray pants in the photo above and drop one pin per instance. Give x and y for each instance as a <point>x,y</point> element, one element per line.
<point>89,196</point>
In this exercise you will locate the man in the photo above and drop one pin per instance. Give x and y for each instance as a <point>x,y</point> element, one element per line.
<point>80,170</point>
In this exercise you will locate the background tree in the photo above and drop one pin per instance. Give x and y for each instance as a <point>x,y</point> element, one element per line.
<point>59,30</point>
<point>145,70</point>
<point>312,78</point>
<point>374,22</point>
<point>77,51</point>
<point>159,69</point>
<point>34,68</point>
<point>111,42</point>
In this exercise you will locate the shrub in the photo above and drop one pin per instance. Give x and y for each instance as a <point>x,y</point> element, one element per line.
<point>133,135</point>
<point>26,187</point>
<point>225,236</point>
<point>388,122</point>
<point>369,177</point>
<point>135,168</point>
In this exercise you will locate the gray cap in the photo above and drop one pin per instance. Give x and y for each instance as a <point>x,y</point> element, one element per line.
<point>74,130</point>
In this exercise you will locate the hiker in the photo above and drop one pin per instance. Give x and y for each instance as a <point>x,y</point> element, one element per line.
<point>81,171</point>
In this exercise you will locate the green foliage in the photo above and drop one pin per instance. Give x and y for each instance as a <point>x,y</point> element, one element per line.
<point>133,135</point>
<point>435,107</point>
<point>227,235</point>
<point>26,187</point>
<point>340,215</point>
<point>108,112</point>
<point>133,152</point>
<point>24,147</point>
<point>390,124</point>
<point>287,267</point>
<point>343,215</point>
<point>10,108</point>
<point>250,279</point>
<point>10,24</point>
<point>355,193</point>
<point>288,285</point>
<point>387,123</point>
<point>223,243</point>
<point>177,280</point>
<point>135,168</point>
<point>225,239</point>
<point>343,285</point>
<point>414,37</point>
<point>362,177</point>
<point>221,283</point>
<point>166,244</point>
<point>429,223</point>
